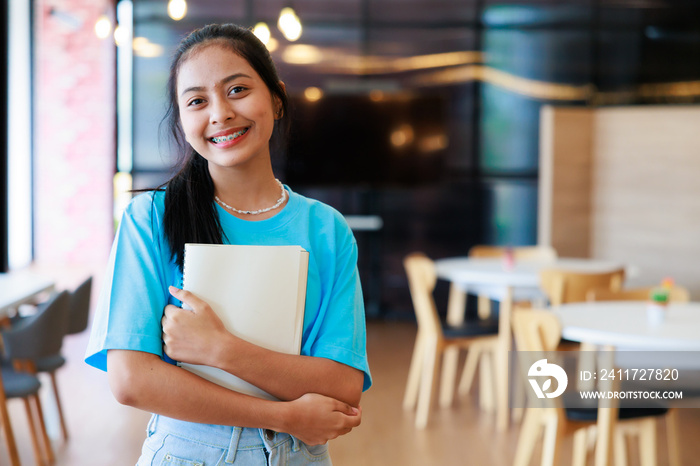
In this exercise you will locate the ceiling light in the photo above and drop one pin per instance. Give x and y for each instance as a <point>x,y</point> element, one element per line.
<point>103,26</point>
<point>376,95</point>
<point>302,54</point>
<point>177,9</point>
<point>121,36</point>
<point>433,143</point>
<point>313,94</point>
<point>289,24</point>
<point>402,136</point>
<point>262,32</point>
<point>272,44</point>
<point>145,48</point>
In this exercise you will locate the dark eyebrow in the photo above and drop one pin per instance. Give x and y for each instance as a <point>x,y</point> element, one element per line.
<point>223,81</point>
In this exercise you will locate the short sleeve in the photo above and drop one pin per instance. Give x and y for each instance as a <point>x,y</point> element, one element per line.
<point>340,332</point>
<point>135,288</point>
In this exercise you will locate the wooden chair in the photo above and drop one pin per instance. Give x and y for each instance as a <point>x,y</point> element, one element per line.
<point>79,309</point>
<point>563,286</point>
<point>25,386</point>
<point>678,294</point>
<point>539,253</point>
<point>34,337</point>
<point>538,331</point>
<point>434,337</point>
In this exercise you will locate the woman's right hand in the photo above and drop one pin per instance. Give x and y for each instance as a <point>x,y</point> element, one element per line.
<point>195,335</point>
<point>315,419</point>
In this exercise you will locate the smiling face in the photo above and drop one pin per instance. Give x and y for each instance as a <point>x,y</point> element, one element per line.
<point>226,110</point>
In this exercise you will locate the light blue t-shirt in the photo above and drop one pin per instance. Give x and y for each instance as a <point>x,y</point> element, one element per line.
<point>141,268</point>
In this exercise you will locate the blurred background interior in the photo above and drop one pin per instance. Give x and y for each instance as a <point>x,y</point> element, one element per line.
<point>433,125</point>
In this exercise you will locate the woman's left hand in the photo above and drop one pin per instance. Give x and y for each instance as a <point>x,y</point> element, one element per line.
<point>192,336</point>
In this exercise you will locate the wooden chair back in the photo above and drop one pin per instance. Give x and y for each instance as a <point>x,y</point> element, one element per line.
<point>536,332</point>
<point>80,307</point>
<point>678,294</point>
<point>562,286</point>
<point>422,278</point>
<point>544,253</point>
<point>41,334</point>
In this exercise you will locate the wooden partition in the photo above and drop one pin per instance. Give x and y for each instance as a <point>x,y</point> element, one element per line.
<point>623,183</point>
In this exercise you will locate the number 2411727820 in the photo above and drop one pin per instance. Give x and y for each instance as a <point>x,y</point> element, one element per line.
<point>630,374</point>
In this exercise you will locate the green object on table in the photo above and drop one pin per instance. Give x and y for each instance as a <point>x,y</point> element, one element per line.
<point>659,295</point>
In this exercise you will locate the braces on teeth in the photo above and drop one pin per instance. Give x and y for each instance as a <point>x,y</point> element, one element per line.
<point>229,137</point>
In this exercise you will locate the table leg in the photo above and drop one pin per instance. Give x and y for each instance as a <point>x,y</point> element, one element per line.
<point>486,378</point>
<point>504,344</point>
<point>586,361</point>
<point>456,304</point>
<point>607,414</point>
<point>450,361</point>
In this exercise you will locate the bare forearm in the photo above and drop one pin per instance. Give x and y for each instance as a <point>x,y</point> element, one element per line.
<point>146,382</point>
<point>290,376</point>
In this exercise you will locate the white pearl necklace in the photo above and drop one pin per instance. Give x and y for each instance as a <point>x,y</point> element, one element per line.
<point>279,202</point>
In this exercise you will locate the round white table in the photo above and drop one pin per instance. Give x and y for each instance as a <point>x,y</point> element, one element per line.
<point>623,325</point>
<point>490,276</point>
<point>494,278</point>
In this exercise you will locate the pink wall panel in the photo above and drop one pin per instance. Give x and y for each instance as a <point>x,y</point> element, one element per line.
<point>74,133</point>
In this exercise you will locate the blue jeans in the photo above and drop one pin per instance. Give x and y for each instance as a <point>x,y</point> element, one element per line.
<point>180,443</point>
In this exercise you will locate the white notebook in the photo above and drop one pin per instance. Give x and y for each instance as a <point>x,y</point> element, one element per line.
<point>259,292</point>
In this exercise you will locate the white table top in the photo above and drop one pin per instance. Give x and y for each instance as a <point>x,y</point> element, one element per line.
<point>19,287</point>
<point>624,325</point>
<point>489,276</point>
<point>525,273</point>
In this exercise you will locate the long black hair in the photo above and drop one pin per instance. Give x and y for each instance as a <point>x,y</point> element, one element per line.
<point>190,213</point>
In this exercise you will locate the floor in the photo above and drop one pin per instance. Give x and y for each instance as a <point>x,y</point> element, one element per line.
<point>105,433</point>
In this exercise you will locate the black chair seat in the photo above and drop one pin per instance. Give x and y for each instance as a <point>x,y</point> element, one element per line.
<point>565,342</point>
<point>19,384</point>
<point>49,363</point>
<point>471,328</point>
<point>590,413</point>
<point>688,384</point>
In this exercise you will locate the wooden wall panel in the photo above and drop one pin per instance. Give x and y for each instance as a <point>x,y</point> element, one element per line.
<point>642,184</point>
<point>646,196</point>
<point>565,180</point>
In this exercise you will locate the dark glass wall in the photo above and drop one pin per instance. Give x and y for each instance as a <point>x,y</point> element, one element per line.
<point>572,53</point>
<point>343,149</point>
<point>4,27</point>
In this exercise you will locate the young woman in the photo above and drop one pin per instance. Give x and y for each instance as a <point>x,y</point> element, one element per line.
<point>225,102</point>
